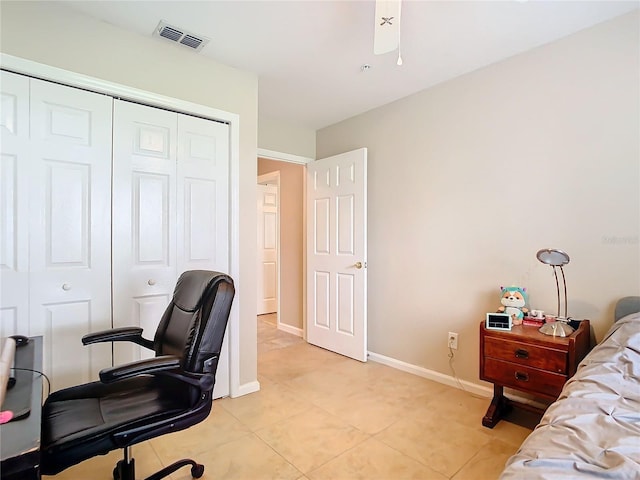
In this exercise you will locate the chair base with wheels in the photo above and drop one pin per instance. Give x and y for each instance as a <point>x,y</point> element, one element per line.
<point>125,468</point>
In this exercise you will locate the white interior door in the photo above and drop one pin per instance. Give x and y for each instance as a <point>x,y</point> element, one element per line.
<point>144,220</point>
<point>70,231</point>
<point>203,209</point>
<point>337,253</point>
<point>267,249</point>
<point>14,204</point>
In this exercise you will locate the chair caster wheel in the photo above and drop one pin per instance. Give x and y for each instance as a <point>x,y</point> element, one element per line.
<point>197,470</point>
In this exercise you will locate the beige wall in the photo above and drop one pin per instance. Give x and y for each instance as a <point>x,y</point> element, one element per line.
<point>48,33</point>
<point>291,238</point>
<point>284,137</point>
<point>467,180</point>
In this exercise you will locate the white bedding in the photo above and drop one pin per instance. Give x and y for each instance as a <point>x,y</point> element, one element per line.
<point>593,429</point>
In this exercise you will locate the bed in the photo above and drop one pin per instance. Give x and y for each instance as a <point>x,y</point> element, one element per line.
<point>593,429</point>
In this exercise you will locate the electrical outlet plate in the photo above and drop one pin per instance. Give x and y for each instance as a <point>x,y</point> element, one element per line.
<point>452,340</point>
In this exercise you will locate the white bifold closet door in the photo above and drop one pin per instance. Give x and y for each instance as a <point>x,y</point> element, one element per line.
<point>55,248</point>
<point>68,167</point>
<point>144,220</point>
<point>170,214</point>
<point>14,205</point>
<point>77,236</point>
<point>203,209</point>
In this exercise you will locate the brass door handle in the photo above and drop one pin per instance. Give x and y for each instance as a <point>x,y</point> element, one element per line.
<point>358,265</point>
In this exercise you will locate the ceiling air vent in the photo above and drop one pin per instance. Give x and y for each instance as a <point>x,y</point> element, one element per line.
<point>180,36</point>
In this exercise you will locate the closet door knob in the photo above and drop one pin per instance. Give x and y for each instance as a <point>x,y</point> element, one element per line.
<point>66,287</point>
<point>151,282</point>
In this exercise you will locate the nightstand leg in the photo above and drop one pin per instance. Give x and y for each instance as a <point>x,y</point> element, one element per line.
<point>499,406</point>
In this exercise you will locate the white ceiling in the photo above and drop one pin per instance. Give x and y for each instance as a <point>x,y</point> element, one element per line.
<point>308,54</point>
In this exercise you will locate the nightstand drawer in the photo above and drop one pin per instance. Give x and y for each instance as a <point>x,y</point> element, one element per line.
<point>522,377</point>
<point>525,354</point>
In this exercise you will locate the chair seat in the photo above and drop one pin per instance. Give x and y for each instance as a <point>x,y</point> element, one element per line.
<point>79,421</point>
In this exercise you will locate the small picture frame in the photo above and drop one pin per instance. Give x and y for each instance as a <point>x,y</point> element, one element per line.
<point>498,321</point>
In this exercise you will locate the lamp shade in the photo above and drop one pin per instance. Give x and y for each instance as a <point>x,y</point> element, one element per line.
<point>553,257</point>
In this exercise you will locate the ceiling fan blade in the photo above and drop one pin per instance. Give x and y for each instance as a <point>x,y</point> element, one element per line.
<point>386,36</point>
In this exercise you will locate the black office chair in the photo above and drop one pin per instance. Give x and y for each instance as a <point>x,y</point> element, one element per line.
<point>148,398</point>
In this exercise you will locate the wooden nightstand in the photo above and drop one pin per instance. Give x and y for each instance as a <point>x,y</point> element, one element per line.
<point>526,360</point>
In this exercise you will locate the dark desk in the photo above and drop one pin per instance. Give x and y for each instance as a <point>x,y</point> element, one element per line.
<point>20,439</point>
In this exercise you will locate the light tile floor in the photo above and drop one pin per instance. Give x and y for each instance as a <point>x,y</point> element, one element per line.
<point>321,416</point>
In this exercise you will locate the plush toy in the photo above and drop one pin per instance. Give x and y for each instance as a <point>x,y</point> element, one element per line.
<point>514,301</point>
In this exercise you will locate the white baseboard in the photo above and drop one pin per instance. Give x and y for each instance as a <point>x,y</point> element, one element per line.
<point>446,379</point>
<point>431,374</point>
<point>289,329</point>
<point>246,389</point>
<point>481,390</point>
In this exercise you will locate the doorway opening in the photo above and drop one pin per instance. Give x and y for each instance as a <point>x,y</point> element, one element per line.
<point>283,226</point>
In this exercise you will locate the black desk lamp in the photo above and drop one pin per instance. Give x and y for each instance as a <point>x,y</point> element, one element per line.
<point>556,259</point>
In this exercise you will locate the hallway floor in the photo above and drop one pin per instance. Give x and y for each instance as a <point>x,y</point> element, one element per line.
<point>320,416</point>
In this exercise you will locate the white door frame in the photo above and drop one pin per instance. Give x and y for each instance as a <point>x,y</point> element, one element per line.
<point>289,158</point>
<point>72,79</point>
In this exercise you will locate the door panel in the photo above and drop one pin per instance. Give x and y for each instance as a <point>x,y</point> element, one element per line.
<point>67,198</point>
<point>203,194</point>
<point>345,295</point>
<point>151,219</point>
<point>320,290</point>
<point>14,204</point>
<point>267,249</point>
<point>69,232</point>
<point>144,220</point>
<point>203,209</point>
<point>148,309</point>
<point>71,362</point>
<point>336,254</point>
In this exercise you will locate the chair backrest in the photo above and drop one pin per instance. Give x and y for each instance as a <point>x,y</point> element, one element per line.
<point>193,325</point>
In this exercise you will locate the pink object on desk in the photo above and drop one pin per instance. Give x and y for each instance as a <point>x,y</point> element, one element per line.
<point>6,416</point>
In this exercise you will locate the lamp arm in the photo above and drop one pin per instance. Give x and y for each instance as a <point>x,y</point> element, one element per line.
<point>555,274</point>
<point>564,283</point>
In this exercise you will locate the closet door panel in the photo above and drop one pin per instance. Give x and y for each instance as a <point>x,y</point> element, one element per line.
<point>203,194</point>
<point>14,204</point>
<point>203,208</point>
<point>69,231</point>
<point>144,220</point>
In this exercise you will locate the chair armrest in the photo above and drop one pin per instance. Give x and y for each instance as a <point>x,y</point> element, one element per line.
<point>149,366</point>
<point>123,334</point>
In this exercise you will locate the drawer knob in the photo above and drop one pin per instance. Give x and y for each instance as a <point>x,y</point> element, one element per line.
<point>522,377</point>
<point>521,353</point>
